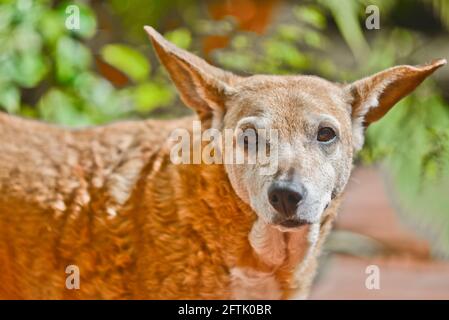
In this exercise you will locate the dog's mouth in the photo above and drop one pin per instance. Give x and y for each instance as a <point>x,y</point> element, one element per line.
<point>293,223</point>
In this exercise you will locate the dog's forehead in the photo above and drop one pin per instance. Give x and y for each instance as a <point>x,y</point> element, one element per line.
<point>292,95</point>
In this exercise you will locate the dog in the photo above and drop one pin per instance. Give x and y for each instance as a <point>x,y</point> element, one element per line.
<point>108,203</point>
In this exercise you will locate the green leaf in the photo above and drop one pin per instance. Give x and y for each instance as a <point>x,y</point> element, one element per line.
<point>52,26</point>
<point>26,39</point>
<point>127,60</point>
<point>240,42</point>
<point>61,108</point>
<point>311,15</point>
<point>180,37</point>
<point>28,112</point>
<point>235,60</point>
<point>290,32</point>
<point>101,101</point>
<point>286,53</point>
<point>9,98</point>
<point>93,88</point>
<point>149,96</point>
<point>346,17</point>
<point>314,39</point>
<point>72,57</point>
<point>27,69</point>
<point>6,16</point>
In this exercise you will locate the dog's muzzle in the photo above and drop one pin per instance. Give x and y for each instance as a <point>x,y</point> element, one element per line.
<point>285,197</point>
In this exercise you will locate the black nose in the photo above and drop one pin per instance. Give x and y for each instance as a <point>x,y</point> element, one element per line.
<point>285,198</point>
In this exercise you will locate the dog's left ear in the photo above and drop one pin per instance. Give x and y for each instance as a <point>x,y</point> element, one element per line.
<point>202,87</point>
<point>374,96</point>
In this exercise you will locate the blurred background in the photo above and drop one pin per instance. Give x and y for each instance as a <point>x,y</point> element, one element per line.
<point>396,214</point>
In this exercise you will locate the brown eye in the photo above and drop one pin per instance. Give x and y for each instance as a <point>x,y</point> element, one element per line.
<point>325,134</point>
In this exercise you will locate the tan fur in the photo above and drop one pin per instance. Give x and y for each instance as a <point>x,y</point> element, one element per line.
<point>109,200</point>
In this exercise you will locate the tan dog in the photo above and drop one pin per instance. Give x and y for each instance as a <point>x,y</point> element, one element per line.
<point>110,201</point>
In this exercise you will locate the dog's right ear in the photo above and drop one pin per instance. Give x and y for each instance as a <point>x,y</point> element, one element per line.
<point>202,87</point>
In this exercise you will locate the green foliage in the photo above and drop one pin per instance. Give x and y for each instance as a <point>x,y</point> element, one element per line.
<point>72,57</point>
<point>127,60</point>
<point>10,98</point>
<point>149,95</point>
<point>345,14</point>
<point>180,37</point>
<point>40,53</point>
<point>137,13</point>
<point>311,15</point>
<point>50,109</point>
<point>298,46</point>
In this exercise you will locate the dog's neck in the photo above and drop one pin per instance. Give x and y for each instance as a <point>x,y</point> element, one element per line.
<point>251,249</point>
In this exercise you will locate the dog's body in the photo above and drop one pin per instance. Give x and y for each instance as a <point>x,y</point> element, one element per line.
<point>110,200</point>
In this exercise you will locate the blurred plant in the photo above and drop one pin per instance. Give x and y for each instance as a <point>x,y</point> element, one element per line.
<point>135,14</point>
<point>289,48</point>
<point>41,59</point>
<point>441,8</point>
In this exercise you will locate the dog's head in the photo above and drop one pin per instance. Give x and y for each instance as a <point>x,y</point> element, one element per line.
<point>319,126</point>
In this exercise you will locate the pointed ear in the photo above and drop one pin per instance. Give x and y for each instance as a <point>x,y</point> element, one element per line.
<point>372,97</point>
<point>202,87</point>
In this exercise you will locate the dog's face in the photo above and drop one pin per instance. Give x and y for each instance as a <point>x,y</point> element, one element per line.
<point>312,120</point>
<point>318,127</point>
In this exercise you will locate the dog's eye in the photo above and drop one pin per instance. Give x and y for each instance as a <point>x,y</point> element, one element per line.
<point>325,134</point>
